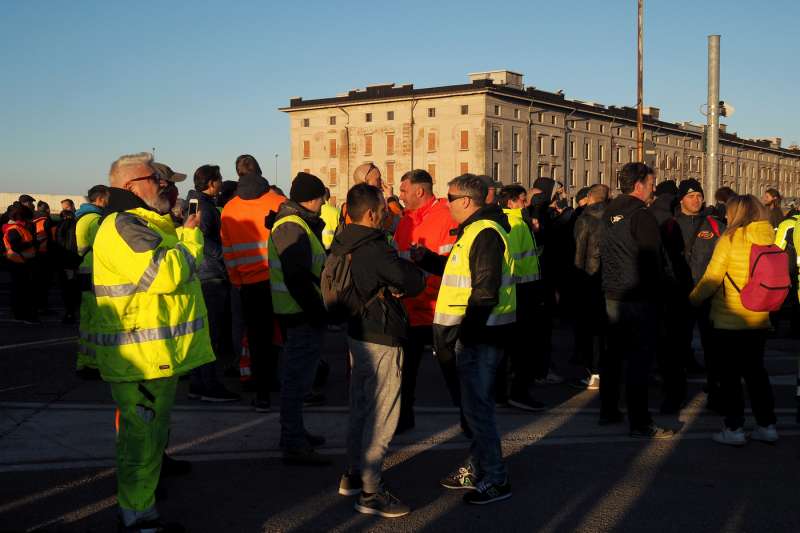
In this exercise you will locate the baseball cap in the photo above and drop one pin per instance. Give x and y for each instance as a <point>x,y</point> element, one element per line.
<point>167,174</point>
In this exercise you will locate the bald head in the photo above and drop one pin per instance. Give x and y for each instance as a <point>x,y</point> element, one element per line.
<point>130,167</point>
<point>367,173</point>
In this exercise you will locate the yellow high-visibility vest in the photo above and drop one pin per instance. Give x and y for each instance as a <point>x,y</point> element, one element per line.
<point>330,215</point>
<point>523,248</point>
<point>282,301</point>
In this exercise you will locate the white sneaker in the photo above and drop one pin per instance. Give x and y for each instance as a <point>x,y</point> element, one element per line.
<point>765,434</point>
<point>731,437</point>
<point>594,382</point>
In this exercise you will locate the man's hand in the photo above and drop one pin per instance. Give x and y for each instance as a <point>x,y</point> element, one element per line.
<point>387,189</point>
<point>418,252</point>
<point>192,221</point>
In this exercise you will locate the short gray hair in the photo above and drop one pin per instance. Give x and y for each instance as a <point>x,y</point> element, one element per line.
<point>142,158</point>
<point>472,186</point>
<point>599,191</point>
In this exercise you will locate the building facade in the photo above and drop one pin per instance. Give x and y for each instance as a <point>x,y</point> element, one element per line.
<point>495,125</point>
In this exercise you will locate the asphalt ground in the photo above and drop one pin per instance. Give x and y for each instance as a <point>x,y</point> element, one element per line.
<point>567,473</point>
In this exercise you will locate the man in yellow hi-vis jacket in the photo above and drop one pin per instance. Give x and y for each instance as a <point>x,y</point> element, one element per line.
<point>150,324</point>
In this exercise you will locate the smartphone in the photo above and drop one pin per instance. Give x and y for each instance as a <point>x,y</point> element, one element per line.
<point>193,203</point>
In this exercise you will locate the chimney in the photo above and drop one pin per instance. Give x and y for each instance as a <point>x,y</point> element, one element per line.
<point>499,77</point>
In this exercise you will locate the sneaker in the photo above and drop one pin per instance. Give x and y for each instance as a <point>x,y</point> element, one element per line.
<point>350,484</point>
<point>315,440</point>
<point>651,432</point>
<point>314,399</point>
<point>526,403</point>
<point>488,493</point>
<point>382,503</point>
<point>765,434</point>
<point>261,405</point>
<point>219,394</point>
<point>307,457</point>
<point>171,467</point>
<point>550,379</point>
<point>462,479</point>
<point>150,526</point>
<point>594,382</point>
<point>731,437</point>
<point>607,419</point>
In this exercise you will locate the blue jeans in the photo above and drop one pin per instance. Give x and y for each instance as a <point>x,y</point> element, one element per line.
<point>301,352</point>
<point>477,368</point>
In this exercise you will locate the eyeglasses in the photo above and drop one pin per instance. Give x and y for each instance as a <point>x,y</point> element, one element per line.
<point>453,197</point>
<point>152,177</point>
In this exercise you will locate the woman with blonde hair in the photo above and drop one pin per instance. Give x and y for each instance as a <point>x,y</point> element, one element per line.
<point>739,334</point>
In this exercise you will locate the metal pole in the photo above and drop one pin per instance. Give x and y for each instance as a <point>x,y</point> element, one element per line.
<point>276,170</point>
<point>640,85</point>
<point>712,128</point>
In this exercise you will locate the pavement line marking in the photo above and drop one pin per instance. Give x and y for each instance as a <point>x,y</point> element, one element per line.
<point>10,389</point>
<point>78,514</point>
<point>508,444</point>
<point>57,490</point>
<point>62,340</point>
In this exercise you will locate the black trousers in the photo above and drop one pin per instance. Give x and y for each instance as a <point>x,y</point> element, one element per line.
<point>70,291</point>
<point>42,279</point>
<point>216,293</point>
<point>258,319</point>
<point>515,372</point>
<point>590,325</point>
<point>632,334</point>
<point>413,350</point>
<point>741,356</point>
<point>542,309</point>
<point>22,302</point>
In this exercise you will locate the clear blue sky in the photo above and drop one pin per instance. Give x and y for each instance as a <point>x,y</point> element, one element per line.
<point>83,82</point>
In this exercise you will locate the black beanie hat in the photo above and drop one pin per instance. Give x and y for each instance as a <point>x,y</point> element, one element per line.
<point>688,186</point>
<point>306,187</point>
<point>666,187</point>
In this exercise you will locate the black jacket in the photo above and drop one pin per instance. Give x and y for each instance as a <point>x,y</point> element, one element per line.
<point>294,250</point>
<point>588,229</point>
<point>251,186</point>
<point>689,241</point>
<point>377,269</point>
<point>213,265</point>
<point>663,207</point>
<point>633,261</point>
<point>486,268</point>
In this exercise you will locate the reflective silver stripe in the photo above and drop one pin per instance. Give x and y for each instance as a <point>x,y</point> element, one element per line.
<point>444,319</point>
<point>276,264</point>
<point>85,269</point>
<point>113,291</point>
<point>457,281</point>
<point>528,278</point>
<point>405,255</point>
<point>247,260</point>
<point>239,246</point>
<point>445,249</point>
<point>278,286</point>
<point>539,250</point>
<point>507,281</point>
<point>83,250</point>
<point>328,232</point>
<point>146,335</point>
<point>526,253</point>
<point>188,255</point>
<point>150,273</point>
<point>499,320</point>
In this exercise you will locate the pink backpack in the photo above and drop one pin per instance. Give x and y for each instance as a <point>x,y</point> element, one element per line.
<point>769,283</point>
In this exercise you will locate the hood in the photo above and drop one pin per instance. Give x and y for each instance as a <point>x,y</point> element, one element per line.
<point>547,186</point>
<point>665,201</point>
<point>595,210</point>
<point>85,209</point>
<point>625,205</point>
<point>123,200</point>
<point>760,232</point>
<point>489,212</point>
<point>251,186</point>
<point>354,236</point>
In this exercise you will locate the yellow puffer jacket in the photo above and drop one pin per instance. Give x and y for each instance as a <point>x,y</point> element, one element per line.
<point>732,256</point>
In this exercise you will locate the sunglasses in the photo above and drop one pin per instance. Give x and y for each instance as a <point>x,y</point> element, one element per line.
<point>152,177</point>
<point>453,197</point>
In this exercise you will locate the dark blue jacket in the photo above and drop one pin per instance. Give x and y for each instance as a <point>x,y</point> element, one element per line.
<point>213,265</point>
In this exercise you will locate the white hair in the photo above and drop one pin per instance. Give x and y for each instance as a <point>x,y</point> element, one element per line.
<point>142,158</point>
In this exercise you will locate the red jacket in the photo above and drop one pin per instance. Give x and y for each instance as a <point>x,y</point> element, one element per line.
<point>428,226</point>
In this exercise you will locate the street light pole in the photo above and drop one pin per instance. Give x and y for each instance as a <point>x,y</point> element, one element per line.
<point>276,170</point>
<point>712,127</point>
<point>640,84</point>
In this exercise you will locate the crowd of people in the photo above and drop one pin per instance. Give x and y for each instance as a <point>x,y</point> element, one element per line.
<point>242,275</point>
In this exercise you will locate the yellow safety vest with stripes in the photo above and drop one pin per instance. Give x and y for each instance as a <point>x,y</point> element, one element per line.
<point>523,248</point>
<point>456,287</point>
<point>151,320</point>
<point>330,215</point>
<point>282,301</point>
<point>85,233</point>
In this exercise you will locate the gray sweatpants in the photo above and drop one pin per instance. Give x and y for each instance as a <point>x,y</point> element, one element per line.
<point>374,407</point>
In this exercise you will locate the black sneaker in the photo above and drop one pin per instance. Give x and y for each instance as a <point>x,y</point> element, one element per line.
<point>150,526</point>
<point>671,407</point>
<point>607,419</point>
<point>651,432</point>
<point>315,440</point>
<point>488,493</point>
<point>307,457</point>
<point>261,405</point>
<point>174,467</point>
<point>526,403</point>
<point>89,374</point>
<point>462,479</point>
<point>314,399</point>
<point>218,394</point>
<point>382,503</point>
<point>350,484</point>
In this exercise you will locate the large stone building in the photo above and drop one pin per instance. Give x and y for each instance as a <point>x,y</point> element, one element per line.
<point>495,125</point>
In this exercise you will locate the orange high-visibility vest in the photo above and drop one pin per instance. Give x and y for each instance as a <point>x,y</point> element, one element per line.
<point>245,237</point>
<point>28,252</point>
<point>40,223</point>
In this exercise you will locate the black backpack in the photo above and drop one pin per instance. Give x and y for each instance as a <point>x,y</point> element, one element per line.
<point>339,293</point>
<point>67,243</point>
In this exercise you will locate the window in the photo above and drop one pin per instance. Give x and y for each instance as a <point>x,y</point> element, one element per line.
<point>516,113</point>
<point>541,117</point>
<point>306,122</point>
<point>432,171</point>
<point>496,170</point>
<point>463,168</point>
<point>633,155</point>
<point>515,172</point>
<point>465,110</point>
<point>464,145</point>
<point>332,176</point>
<point>390,115</point>
<point>515,141</point>
<point>307,170</point>
<point>553,119</point>
<point>331,147</point>
<point>553,145</point>
<point>602,128</point>
<point>390,172</point>
<point>431,141</point>
<point>667,159</point>
<point>601,152</point>
<point>570,124</point>
<point>587,151</point>
<point>572,149</point>
<point>367,144</point>
<point>633,133</point>
<point>495,139</point>
<point>306,149</point>
<point>431,112</point>
<point>600,177</point>
<point>588,126</point>
<point>389,143</point>
<point>541,172</point>
<point>571,177</point>
<point>497,110</point>
<point>368,117</point>
<point>542,144</point>
<point>618,158</point>
<point>332,121</point>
